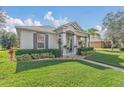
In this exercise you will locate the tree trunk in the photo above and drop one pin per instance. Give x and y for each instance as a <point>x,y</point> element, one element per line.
<point>89,41</point>
<point>122,44</point>
<point>112,45</point>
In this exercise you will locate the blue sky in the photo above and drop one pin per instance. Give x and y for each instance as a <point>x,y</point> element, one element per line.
<point>87,17</point>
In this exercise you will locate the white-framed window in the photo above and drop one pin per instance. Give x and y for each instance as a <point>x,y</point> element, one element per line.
<point>40,41</point>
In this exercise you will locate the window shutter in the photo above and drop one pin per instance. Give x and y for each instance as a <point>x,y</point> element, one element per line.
<point>46,41</point>
<point>35,40</point>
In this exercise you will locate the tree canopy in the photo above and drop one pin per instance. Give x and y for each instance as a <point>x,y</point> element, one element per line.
<point>114,25</point>
<point>93,32</point>
<point>3,18</point>
<point>8,39</point>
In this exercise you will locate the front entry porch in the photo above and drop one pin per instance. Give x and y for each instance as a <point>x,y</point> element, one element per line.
<point>71,42</point>
<point>71,37</point>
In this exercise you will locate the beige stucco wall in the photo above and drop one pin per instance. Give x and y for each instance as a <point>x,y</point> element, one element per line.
<point>26,39</point>
<point>52,41</point>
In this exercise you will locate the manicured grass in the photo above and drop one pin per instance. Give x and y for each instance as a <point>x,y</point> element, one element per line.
<point>56,73</point>
<point>115,58</point>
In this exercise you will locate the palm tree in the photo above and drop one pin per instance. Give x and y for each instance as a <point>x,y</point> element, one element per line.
<point>92,32</point>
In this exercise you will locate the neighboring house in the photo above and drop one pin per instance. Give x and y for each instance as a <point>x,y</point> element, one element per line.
<point>69,37</point>
<point>98,43</point>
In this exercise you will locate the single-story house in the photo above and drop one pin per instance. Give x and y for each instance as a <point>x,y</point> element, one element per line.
<point>98,43</point>
<point>68,37</point>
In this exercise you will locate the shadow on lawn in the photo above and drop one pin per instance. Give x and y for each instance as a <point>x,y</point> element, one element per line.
<point>23,66</point>
<point>1,62</point>
<point>107,58</point>
<point>110,51</point>
<point>93,65</point>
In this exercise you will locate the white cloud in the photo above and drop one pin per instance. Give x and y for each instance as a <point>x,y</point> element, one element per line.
<point>101,32</point>
<point>37,23</point>
<point>10,29</point>
<point>28,22</point>
<point>55,22</point>
<point>49,16</point>
<point>12,22</point>
<point>99,27</point>
<point>18,22</point>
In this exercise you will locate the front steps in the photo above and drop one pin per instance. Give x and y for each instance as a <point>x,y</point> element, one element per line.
<point>73,56</point>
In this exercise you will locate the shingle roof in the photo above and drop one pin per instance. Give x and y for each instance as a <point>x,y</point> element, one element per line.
<point>70,23</point>
<point>49,29</point>
<point>46,29</point>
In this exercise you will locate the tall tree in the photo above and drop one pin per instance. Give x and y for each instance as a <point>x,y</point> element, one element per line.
<point>8,39</point>
<point>3,18</point>
<point>114,25</point>
<point>92,32</point>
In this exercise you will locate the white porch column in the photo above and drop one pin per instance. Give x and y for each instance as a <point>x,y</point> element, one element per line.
<point>88,41</point>
<point>63,38</point>
<point>75,43</point>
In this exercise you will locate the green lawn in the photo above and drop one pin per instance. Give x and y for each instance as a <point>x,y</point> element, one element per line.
<point>56,73</point>
<point>115,58</point>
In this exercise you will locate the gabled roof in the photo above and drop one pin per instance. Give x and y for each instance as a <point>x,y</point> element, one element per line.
<point>49,29</point>
<point>79,30</point>
<point>74,24</point>
<point>45,29</point>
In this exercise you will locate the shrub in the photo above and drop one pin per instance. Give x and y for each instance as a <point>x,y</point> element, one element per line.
<point>51,55</point>
<point>35,56</point>
<point>55,52</point>
<point>83,53</point>
<point>121,49</point>
<point>44,55</point>
<point>29,57</point>
<point>85,50</point>
<point>24,57</point>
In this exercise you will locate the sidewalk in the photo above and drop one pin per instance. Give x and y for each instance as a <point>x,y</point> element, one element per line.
<point>104,65</point>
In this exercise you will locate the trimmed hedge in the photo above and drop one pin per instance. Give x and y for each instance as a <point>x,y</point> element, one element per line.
<point>85,50</point>
<point>121,49</point>
<point>31,54</point>
<point>24,57</point>
<point>27,57</point>
<point>55,52</point>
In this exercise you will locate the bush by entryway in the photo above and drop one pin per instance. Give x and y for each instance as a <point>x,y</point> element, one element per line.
<point>85,51</point>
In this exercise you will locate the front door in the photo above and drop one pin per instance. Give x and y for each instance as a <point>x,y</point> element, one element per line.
<point>69,44</point>
<point>71,48</point>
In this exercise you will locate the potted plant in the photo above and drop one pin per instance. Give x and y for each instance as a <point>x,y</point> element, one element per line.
<point>65,46</point>
<point>80,42</point>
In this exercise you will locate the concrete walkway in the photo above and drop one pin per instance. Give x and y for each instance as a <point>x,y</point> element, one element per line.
<point>93,62</point>
<point>104,65</point>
